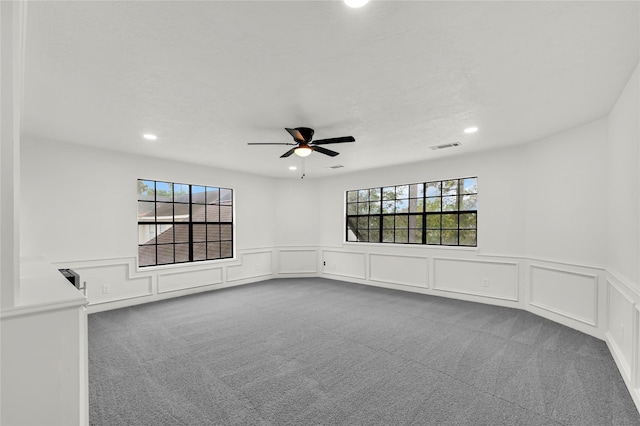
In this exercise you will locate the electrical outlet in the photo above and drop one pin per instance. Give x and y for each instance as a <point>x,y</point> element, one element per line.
<point>324,263</point>
<point>105,289</point>
<point>485,282</point>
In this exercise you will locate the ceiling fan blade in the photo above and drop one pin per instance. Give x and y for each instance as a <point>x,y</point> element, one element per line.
<point>288,153</point>
<point>296,134</point>
<point>334,140</point>
<point>324,151</point>
<point>271,143</point>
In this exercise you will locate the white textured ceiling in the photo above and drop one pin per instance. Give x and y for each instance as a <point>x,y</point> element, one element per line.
<point>208,77</point>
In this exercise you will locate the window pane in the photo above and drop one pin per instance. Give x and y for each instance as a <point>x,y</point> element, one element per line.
<point>182,253</point>
<point>180,193</point>
<point>450,238</point>
<point>374,235</point>
<point>166,235</point>
<point>199,251</point>
<point>226,213</point>
<point>226,232</point>
<point>374,222</point>
<point>468,221</point>
<point>363,195</point>
<point>164,212</point>
<point>433,221</point>
<point>146,190</point>
<point>415,236</point>
<point>416,205</point>
<point>146,211</point>
<point>198,213</point>
<point>387,236</point>
<point>165,254</point>
<point>146,234</point>
<point>449,204</point>
<point>363,222</point>
<point>352,223</point>
<point>197,194</point>
<point>416,190</point>
<point>352,196</point>
<point>213,250</point>
<point>402,236</point>
<point>402,221</point>
<point>450,187</point>
<point>181,233</point>
<point>181,212</point>
<point>402,206</point>
<point>146,255</point>
<point>213,232</point>
<point>213,195</point>
<point>164,191</point>
<point>415,221</point>
<point>433,204</point>
<point>199,233</point>
<point>432,189</point>
<point>363,208</point>
<point>374,207</point>
<point>433,237</point>
<point>213,213</point>
<point>450,221</point>
<point>469,186</point>
<point>388,222</point>
<point>226,196</point>
<point>402,191</point>
<point>351,235</point>
<point>389,193</point>
<point>468,238</point>
<point>388,206</point>
<point>469,202</point>
<point>226,249</point>
<point>352,209</point>
<point>374,194</point>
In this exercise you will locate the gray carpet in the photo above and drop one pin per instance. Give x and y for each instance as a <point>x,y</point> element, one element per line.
<point>322,352</point>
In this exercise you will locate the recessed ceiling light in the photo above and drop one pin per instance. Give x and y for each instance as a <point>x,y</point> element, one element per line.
<point>293,168</point>
<point>356,3</point>
<point>470,130</point>
<point>149,137</point>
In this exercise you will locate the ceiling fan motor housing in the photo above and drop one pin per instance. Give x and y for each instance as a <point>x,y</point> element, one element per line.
<point>306,133</point>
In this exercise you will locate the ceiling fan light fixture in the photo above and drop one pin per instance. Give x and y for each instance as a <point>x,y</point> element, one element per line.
<point>303,151</point>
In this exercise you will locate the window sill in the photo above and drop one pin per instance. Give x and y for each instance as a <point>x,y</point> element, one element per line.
<point>411,246</point>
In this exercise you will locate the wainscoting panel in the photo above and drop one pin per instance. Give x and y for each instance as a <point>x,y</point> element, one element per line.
<point>297,261</point>
<point>183,280</point>
<point>106,283</point>
<point>344,264</point>
<point>620,323</point>
<point>253,265</point>
<point>493,279</point>
<point>564,292</point>
<point>398,269</point>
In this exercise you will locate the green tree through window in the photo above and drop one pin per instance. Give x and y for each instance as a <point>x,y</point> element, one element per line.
<point>435,213</point>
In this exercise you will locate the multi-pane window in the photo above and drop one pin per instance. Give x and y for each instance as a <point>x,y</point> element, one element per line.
<point>180,223</point>
<point>438,213</point>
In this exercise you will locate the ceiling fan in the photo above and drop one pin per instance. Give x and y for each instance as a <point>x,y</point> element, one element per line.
<point>304,145</point>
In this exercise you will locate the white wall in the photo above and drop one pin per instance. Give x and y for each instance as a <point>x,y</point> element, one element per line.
<point>566,211</point>
<point>501,187</point>
<point>623,186</point>
<point>623,244</point>
<point>79,211</point>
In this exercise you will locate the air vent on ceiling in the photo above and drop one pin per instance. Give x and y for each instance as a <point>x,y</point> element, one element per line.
<point>446,145</point>
<point>339,166</point>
